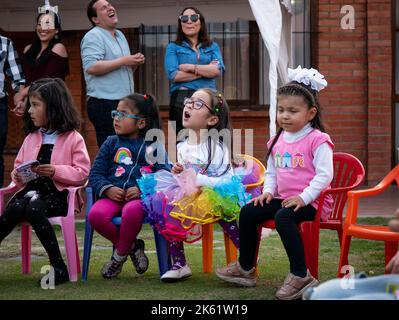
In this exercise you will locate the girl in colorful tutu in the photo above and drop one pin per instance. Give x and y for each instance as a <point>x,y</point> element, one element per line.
<point>202,187</point>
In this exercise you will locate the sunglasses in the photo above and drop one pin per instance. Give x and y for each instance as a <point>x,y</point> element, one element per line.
<point>193,18</point>
<point>123,115</point>
<point>196,104</point>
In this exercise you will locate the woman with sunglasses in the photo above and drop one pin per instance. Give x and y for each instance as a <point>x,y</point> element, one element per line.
<point>114,175</point>
<point>46,56</point>
<point>192,62</point>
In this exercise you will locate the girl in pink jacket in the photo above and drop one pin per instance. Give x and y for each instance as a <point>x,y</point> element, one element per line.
<point>62,162</point>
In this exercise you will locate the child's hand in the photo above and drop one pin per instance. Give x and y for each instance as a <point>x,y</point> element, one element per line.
<point>260,199</point>
<point>15,176</point>
<point>177,168</point>
<point>132,193</point>
<point>115,193</point>
<point>296,202</point>
<point>44,170</point>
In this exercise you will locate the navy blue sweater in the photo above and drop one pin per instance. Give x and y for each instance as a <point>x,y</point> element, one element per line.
<point>119,161</point>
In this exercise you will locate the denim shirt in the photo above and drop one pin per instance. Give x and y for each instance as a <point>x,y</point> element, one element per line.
<point>98,44</point>
<point>181,54</point>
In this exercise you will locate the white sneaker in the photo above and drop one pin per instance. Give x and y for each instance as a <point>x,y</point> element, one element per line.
<point>176,275</point>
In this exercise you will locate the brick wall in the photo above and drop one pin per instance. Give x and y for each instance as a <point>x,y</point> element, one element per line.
<point>358,67</point>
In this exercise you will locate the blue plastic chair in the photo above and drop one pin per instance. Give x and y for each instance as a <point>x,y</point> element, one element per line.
<point>164,261</point>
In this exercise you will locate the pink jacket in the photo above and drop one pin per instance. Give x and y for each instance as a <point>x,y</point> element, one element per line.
<point>69,157</point>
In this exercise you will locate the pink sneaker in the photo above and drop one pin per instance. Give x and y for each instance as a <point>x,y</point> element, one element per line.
<point>233,273</point>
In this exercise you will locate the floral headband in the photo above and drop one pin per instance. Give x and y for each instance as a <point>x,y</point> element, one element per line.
<point>310,77</point>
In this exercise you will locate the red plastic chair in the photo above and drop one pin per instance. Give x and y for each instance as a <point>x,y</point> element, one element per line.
<point>376,233</point>
<point>207,229</point>
<point>68,230</point>
<point>348,174</point>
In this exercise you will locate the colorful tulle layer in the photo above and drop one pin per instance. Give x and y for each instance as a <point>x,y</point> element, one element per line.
<point>157,209</point>
<point>175,206</point>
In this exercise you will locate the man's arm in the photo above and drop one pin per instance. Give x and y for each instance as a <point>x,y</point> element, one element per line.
<point>93,53</point>
<point>13,68</point>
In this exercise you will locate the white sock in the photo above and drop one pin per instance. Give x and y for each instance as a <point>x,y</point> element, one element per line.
<point>117,257</point>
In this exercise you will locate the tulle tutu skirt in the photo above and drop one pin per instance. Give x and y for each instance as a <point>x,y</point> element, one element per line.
<point>176,207</point>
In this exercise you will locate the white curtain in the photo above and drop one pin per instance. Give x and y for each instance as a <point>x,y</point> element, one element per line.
<point>269,15</point>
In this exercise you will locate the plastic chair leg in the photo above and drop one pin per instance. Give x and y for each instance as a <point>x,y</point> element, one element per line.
<point>310,239</point>
<point>207,247</point>
<point>339,232</point>
<point>230,249</point>
<point>26,242</point>
<point>391,248</point>
<point>68,230</point>
<point>77,254</point>
<point>257,250</point>
<point>87,249</point>
<point>343,259</point>
<point>162,247</point>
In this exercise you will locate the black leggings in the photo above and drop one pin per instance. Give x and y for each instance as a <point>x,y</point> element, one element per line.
<point>286,221</point>
<point>36,212</point>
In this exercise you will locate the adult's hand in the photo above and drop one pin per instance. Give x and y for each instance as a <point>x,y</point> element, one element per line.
<point>19,109</point>
<point>134,59</point>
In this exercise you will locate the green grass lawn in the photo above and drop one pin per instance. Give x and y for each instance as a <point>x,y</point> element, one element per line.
<point>364,255</point>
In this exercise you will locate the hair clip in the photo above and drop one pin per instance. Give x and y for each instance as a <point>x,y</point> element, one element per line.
<point>220,103</point>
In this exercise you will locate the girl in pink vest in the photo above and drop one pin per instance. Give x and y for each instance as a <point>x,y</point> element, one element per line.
<point>51,120</point>
<point>299,168</point>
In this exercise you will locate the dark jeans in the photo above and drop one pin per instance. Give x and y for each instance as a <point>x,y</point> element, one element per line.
<point>99,112</point>
<point>176,107</point>
<point>286,221</point>
<point>3,135</point>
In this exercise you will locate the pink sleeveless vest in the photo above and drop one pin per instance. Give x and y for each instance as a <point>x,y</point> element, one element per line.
<point>294,166</point>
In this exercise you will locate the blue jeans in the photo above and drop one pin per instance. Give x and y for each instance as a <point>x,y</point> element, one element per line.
<point>3,135</point>
<point>372,288</point>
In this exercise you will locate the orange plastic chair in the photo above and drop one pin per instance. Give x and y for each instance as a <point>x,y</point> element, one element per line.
<point>348,174</point>
<point>377,233</point>
<point>68,230</point>
<point>207,230</point>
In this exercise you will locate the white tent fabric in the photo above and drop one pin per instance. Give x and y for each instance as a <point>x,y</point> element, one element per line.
<point>274,22</point>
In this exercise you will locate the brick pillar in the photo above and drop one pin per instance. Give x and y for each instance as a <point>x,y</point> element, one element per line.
<point>357,64</point>
<point>379,39</point>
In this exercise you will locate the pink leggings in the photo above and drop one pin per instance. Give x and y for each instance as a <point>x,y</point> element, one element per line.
<point>124,237</point>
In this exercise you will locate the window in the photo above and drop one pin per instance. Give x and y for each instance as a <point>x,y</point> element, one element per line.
<point>245,82</point>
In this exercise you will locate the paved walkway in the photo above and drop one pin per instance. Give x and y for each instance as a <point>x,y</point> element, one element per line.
<point>384,204</point>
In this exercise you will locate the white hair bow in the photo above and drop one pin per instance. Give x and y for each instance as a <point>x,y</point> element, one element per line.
<point>310,77</point>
